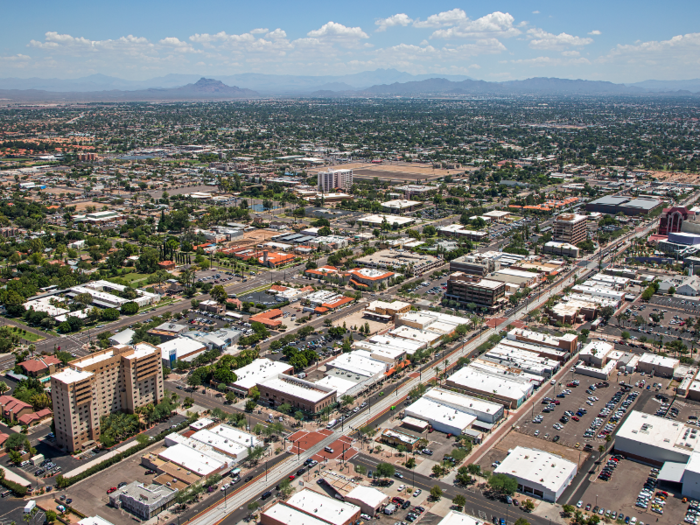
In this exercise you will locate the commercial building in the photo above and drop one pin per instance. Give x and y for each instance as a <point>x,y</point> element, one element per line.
<point>516,278</point>
<point>453,403</point>
<point>484,292</point>
<point>168,331</point>
<point>459,230</point>
<point>301,395</point>
<point>475,264</point>
<point>282,514</point>
<point>378,220</point>
<point>179,349</point>
<point>383,311</point>
<point>144,501</point>
<point>400,260</point>
<point>652,439</point>
<point>567,343</point>
<point>369,277</point>
<point>657,365</point>
<point>563,249</point>
<point>103,296</point>
<point>400,206</point>
<point>538,473</point>
<point>256,372</point>
<point>369,499</point>
<point>627,205</point>
<point>118,379</point>
<point>508,391</point>
<point>320,506</point>
<point>458,518</point>
<point>415,190</point>
<point>570,228</point>
<point>334,179</point>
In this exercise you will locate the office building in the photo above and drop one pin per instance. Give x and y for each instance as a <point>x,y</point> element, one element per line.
<point>563,249</point>
<point>475,264</point>
<point>301,395</point>
<point>400,260</point>
<point>334,179</point>
<point>489,383</point>
<point>118,379</point>
<point>483,292</point>
<point>256,372</point>
<point>144,501</point>
<point>570,228</point>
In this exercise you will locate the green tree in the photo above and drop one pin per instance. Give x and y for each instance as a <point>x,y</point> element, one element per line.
<point>384,470</point>
<point>130,308</point>
<point>459,500</point>
<point>522,521</point>
<point>218,293</point>
<point>436,493</point>
<point>503,483</point>
<point>529,506</point>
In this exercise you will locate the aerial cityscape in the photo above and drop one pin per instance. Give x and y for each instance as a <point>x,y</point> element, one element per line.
<point>381,264</point>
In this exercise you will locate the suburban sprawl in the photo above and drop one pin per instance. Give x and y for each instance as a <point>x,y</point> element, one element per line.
<point>455,311</point>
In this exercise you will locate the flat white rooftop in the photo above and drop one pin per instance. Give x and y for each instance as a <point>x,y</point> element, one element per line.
<point>327,509</point>
<point>182,346</point>
<point>400,204</point>
<point>432,410</point>
<point>70,375</point>
<point>283,513</point>
<point>338,384</point>
<point>194,460</point>
<point>470,378</point>
<point>458,518</point>
<point>258,371</point>
<point>291,388</point>
<point>660,361</point>
<point>537,466</point>
<point>229,434</point>
<point>354,362</point>
<point>658,432</point>
<point>368,495</point>
<point>413,334</point>
<point>455,399</point>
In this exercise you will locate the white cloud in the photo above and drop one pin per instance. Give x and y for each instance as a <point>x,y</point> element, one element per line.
<point>406,53</point>
<point>259,31</point>
<point>446,18</point>
<point>177,44</point>
<point>541,39</point>
<point>535,12</point>
<point>550,61</point>
<point>595,32</point>
<point>493,25</point>
<point>676,55</point>
<point>400,19</point>
<point>334,31</point>
<point>15,58</point>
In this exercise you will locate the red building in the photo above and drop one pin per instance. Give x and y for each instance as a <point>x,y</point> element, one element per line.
<point>672,219</point>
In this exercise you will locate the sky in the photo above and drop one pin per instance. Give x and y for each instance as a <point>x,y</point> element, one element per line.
<point>493,40</point>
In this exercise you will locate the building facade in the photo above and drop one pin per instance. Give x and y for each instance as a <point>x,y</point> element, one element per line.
<point>570,228</point>
<point>483,292</point>
<point>332,179</point>
<point>113,380</point>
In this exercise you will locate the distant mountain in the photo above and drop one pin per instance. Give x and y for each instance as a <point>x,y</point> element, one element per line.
<point>531,86</point>
<point>271,84</point>
<point>659,86</point>
<point>203,89</point>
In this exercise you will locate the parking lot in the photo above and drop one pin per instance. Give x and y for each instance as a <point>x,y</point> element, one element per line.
<point>620,495</point>
<point>578,428</point>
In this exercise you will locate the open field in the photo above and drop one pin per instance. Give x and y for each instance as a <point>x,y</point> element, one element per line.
<point>397,172</point>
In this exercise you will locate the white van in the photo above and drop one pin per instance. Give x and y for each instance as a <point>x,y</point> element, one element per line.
<point>332,423</point>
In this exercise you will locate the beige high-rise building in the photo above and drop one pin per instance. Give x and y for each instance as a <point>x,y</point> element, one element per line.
<point>571,228</point>
<point>118,379</point>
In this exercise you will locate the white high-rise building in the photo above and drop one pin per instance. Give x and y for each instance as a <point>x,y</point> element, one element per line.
<point>332,179</point>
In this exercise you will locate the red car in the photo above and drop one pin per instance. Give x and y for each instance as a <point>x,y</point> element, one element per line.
<point>291,477</point>
<point>575,418</point>
<point>556,402</point>
<point>113,489</point>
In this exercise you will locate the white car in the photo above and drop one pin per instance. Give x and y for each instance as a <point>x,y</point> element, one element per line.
<point>401,487</point>
<point>579,504</point>
<point>224,487</point>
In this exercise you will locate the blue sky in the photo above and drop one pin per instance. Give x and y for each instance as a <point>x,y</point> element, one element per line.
<point>616,40</point>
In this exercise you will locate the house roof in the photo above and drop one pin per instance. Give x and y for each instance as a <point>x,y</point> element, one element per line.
<point>11,404</point>
<point>39,364</point>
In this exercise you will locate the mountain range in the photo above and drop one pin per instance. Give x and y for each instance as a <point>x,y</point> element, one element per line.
<point>378,83</point>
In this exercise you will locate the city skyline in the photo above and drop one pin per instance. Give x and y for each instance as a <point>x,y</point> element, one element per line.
<point>491,41</point>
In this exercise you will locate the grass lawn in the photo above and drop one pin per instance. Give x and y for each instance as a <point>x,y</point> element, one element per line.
<point>28,336</point>
<point>132,277</point>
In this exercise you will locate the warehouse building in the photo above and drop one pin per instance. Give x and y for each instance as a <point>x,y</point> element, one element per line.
<point>538,473</point>
<point>369,499</point>
<point>627,205</point>
<point>655,440</point>
<point>320,506</point>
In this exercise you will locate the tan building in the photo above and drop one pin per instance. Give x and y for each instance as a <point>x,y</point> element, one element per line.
<point>570,228</point>
<point>301,395</point>
<point>118,379</point>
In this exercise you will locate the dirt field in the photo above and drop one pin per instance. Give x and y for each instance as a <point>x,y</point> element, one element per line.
<point>357,319</point>
<point>514,439</point>
<point>258,236</point>
<point>675,176</point>
<point>398,172</point>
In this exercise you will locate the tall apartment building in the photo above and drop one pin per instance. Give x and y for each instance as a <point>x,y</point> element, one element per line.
<point>118,379</point>
<point>570,228</point>
<point>482,292</point>
<point>332,179</point>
